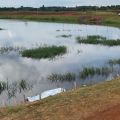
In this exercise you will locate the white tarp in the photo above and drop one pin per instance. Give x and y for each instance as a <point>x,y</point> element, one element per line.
<point>52,92</point>
<point>34,98</point>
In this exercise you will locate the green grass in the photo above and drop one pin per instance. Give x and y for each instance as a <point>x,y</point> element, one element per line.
<point>10,49</point>
<point>86,72</point>
<point>43,18</point>
<point>112,21</point>
<point>62,77</point>
<point>65,36</point>
<point>98,40</point>
<point>106,17</point>
<point>2,86</point>
<point>44,52</point>
<point>114,62</point>
<point>13,87</point>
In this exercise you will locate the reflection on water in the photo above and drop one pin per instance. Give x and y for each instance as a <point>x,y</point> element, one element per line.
<point>20,34</point>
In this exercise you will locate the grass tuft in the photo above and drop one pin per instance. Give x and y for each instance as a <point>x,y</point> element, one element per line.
<point>62,77</point>
<point>44,52</point>
<point>86,72</point>
<point>114,62</point>
<point>98,40</point>
<point>10,49</point>
<point>65,36</point>
<point>1,29</point>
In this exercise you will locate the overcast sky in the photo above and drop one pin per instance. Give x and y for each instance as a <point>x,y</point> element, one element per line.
<point>38,3</point>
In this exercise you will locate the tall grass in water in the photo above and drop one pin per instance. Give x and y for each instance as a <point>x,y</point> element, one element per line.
<point>13,88</point>
<point>65,36</point>
<point>23,85</point>
<point>86,72</point>
<point>44,52</point>
<point>2,86</point>
<point>62,77</point>
<point>98,40</point>
<point>10,49</point>
<point>114,62</point>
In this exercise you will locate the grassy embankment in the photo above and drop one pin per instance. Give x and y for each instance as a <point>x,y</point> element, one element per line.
<point>44,52</point>
<point>73,105</point>
<point>92,17</point>
<point>98,40</point>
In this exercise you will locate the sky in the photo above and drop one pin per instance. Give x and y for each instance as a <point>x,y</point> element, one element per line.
<point>39,3</point>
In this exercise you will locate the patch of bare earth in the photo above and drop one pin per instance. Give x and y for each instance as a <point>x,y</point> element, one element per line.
<point>112,113</point>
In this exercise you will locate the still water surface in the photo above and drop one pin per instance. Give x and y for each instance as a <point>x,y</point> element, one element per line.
<point>26,34</point>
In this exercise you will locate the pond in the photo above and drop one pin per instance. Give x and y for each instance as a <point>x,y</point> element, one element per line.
<point>27,34</point>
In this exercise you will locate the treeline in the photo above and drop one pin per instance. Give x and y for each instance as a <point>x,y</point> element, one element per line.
<point>77,8</point>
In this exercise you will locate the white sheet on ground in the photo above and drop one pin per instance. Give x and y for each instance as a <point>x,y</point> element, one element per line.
<point>33,98</point>
<point>52,92</point>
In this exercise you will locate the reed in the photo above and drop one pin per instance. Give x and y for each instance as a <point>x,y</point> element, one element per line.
<point>1,29</point>
<point>62,77</point>
<point>23,85</point>
<point>98,40</point>
<point>10,49</point>
<point>89,72</point>
<point>44,52</point>
<point>2,86</point>
<point>114,62</point>
<point>13,88</point>
<point>65,36</point>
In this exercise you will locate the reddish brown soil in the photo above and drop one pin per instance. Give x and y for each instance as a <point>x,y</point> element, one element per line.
<point>112,113</point>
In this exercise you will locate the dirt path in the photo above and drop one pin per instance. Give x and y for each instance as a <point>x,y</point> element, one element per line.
<point>112,113</point>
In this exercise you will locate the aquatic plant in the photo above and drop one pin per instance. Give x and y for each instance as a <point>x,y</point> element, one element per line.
<point>44,52</point>
<point>114,62</point>
<point>86,72</point>
<point>2,86</point>
<point>23,85</point>
<point>62,77</point>
<point>10,49</point>
<point>96,39</point>
<point>65,36</point>
<point>57,30</point>
<point>1,29</point>
<point>12,89</point>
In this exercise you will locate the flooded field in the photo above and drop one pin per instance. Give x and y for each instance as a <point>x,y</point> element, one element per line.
<point>28,77</point>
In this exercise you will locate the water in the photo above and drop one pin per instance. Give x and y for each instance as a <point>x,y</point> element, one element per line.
<point>27,34</point>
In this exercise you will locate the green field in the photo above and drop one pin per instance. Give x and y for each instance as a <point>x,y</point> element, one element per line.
<point>92,17</point>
